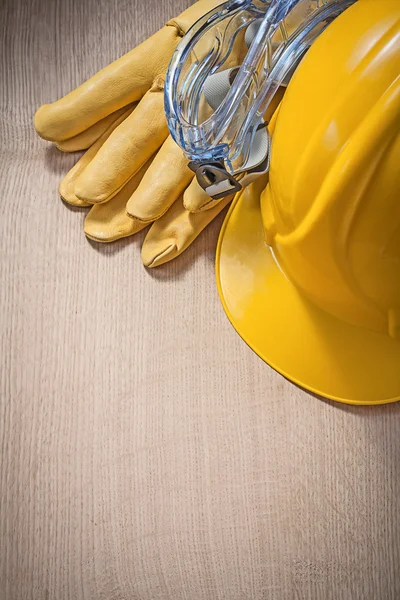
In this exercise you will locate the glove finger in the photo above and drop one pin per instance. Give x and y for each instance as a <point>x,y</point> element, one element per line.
<point>122,82</point>
<point>162,184</point>
<point>128,148</point>
<point>109,221</point>
<point>170,235</point>
<point>67,185</point>
<point>87,138</point>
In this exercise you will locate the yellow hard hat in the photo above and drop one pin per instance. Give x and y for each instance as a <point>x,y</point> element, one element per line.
<point>308,267</point>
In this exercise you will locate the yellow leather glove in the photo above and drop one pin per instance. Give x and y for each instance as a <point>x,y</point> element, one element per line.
<point>133,173</point>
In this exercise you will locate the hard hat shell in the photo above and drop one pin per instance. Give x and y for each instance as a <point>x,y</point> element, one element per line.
<point>331,216</point>
<point>332,208</point>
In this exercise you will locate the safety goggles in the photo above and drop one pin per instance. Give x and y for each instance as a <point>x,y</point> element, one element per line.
<point>223,77</point>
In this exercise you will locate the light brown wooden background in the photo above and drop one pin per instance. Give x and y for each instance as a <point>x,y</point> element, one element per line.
<point>146,452</point>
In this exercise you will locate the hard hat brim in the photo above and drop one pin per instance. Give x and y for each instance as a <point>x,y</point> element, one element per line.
<point>296,338</point>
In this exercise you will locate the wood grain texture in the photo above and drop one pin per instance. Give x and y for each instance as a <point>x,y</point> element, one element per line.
<point>146,452</point>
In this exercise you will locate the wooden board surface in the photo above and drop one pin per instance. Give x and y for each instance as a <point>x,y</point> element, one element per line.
<point>146,452</point>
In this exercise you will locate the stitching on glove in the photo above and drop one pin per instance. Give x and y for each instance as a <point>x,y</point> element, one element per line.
<point>153,218</point>
<point>158,84</point>
<point>179,30</point>
<point>147,221</point>
<point>204,206</point>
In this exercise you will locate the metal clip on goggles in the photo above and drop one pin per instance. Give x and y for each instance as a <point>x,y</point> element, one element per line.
<point>224,75</point>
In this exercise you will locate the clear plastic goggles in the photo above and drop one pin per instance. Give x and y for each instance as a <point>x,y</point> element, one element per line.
<point>224,75</point>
